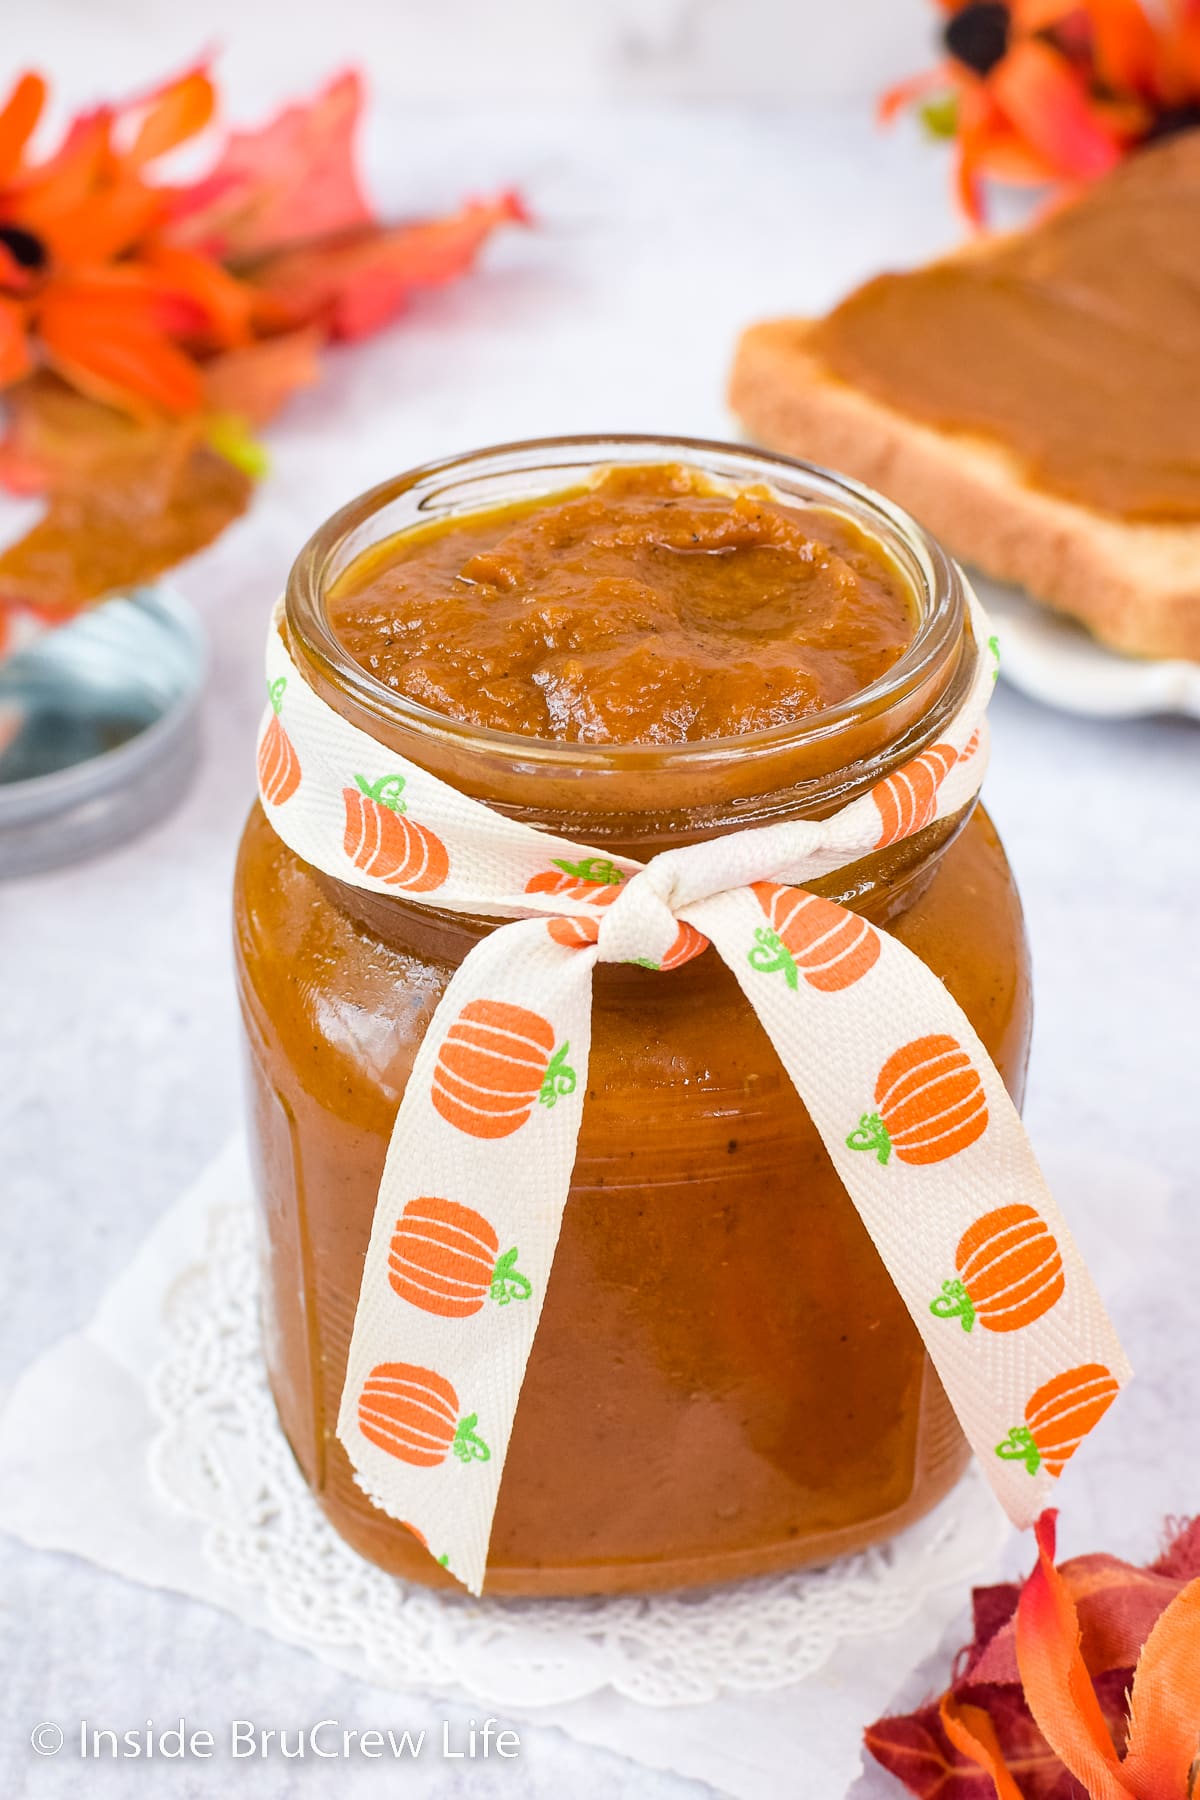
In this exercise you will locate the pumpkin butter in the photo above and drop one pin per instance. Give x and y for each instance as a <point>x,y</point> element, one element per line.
<point>724,1381</point>
<point>1074,344</point>
<point>647,607</point>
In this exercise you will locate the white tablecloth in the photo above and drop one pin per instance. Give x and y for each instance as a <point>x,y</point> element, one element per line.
<point>660,233</point>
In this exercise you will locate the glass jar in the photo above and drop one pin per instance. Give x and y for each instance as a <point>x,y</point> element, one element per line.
<point>724,1381</point>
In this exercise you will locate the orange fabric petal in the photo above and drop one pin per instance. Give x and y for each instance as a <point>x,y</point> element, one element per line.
<point>1047,100</point>
<point>116,355</point>
<point>1124,46</point>
<point>1040,15</point>
<point>1164,1730</point>
<point>172,115</point>
<point>105,223</point>
<point>971,1731</point>
<point>226,302</point>
<point>1177,58</point>
<point>20,115</point>
<point>15,359</point>
<point>1058,1688</point>
<point>69,177</point>
<point>915,87</point>
<point>976,125</point>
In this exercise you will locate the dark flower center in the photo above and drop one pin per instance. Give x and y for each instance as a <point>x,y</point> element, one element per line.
<point>977,35</point>
<point>1174,119</point>
<point>24,248</point>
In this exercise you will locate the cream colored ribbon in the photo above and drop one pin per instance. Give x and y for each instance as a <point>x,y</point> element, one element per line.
<point>912,1112</point>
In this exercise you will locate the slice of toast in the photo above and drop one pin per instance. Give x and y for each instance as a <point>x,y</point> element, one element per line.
<point>1135,585</point>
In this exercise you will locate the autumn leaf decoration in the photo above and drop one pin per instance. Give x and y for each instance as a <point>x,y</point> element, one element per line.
<point>1082,1684</point>
<point>1055,91</point>
<point>149,330</point>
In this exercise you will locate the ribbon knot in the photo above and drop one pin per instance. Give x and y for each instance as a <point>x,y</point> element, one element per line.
<point>641,925</point>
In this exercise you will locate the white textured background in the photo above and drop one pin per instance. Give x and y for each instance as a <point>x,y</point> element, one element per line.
<point>495,50</point>
<point>665,225</point>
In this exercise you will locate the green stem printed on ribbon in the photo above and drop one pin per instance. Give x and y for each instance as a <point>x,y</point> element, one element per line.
<point>871,1134</point>
<point>275,690</point>
<point>994,647</point>
<point>444,1560</point>
<point>508,1283</point>
<point>467,1447</point>
<point>954,1302</point>
<point>387,791</point>
<point>771,955</point>
<point>1019,1446</point>
<point>559,1078</point>
<point>592,868</point>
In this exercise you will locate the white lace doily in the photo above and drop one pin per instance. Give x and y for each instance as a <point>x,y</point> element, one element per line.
<point>222,1457</point>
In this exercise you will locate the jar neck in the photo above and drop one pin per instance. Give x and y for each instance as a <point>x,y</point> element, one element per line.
<point>880,887</point>
<point>638,799</point>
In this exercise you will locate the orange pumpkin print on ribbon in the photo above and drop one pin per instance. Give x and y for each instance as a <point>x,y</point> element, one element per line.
<point>688,943</point>
<point>278,764</point>
<point>445,1258</point>
<point>383,842</point>
<point>808,936</point>
<point>907,800</point>
<point>595,879</point>
<point>575,933</point>
<point>1058,1417</point>
<point>497,1062</point>
<point>1010,1272</point>
<point>930,1102</point>
<point>413,1414</point>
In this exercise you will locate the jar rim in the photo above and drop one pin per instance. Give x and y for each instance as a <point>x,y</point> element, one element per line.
<point>934,576</point>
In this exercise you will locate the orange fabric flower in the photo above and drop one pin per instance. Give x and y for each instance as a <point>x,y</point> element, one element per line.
<point>148,329</point>
<point>1055,91</point>
<point>88,284</point>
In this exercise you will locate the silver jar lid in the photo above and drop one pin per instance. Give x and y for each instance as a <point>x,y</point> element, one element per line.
<point>98,729</point>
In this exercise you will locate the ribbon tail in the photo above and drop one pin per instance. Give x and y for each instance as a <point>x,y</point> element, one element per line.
<point>488,1125</point>
<point>1055,1376</point>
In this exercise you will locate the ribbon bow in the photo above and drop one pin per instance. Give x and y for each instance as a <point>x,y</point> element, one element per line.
<point>911,1110</point>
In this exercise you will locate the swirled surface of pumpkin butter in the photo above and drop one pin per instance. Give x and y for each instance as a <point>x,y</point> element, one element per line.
<point>649,607</point>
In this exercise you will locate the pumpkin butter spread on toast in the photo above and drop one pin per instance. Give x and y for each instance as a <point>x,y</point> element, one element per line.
<point>1034,399</point>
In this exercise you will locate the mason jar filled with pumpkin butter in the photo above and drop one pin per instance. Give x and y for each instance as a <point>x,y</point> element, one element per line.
<point>638,644</point>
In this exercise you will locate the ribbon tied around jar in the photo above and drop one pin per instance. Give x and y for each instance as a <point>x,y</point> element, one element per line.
<point>912,1112</point>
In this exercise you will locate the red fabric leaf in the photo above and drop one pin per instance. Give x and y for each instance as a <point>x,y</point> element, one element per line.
<point>354,285</point>
<point>253,383</point>
<point>1116,1604</point>
<point>1181,1557</point>
<point>286,183</point>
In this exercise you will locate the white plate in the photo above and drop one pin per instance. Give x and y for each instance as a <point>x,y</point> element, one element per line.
<point>1054,660</point>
